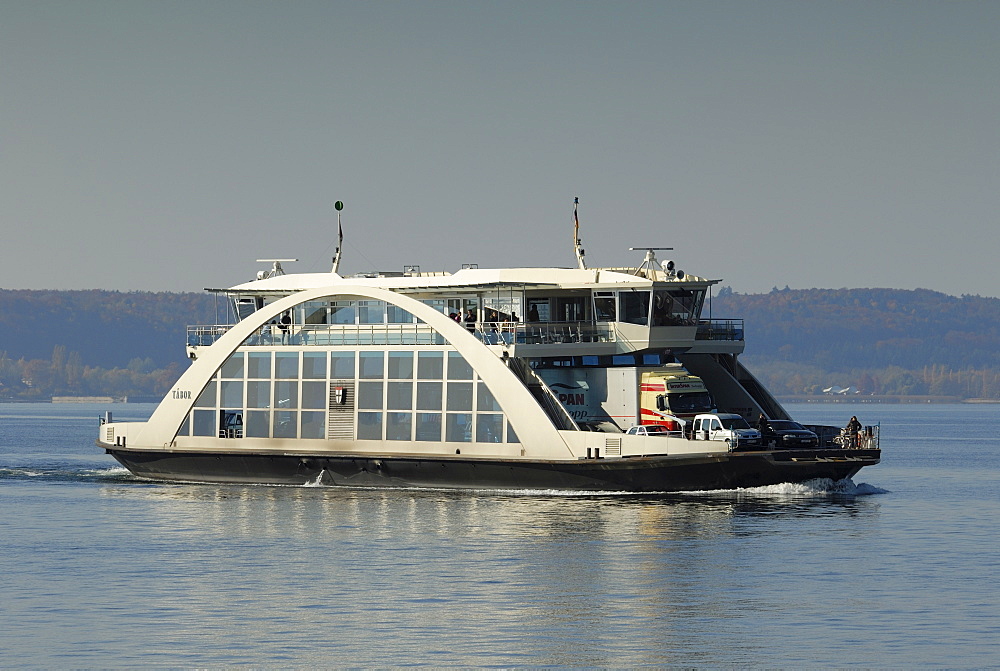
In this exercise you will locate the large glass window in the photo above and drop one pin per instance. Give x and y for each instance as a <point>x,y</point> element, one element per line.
<point>342,365</point>
<point>314,395</point>
<point>604,306</point>
<point>439,304</point>
<point>259,365</point>
<point>206,423</point>
<point>397,315</point>
<point>206,399</point>
<point>286,394</point>
<point>343,312</point>
<point>573,309</point>
<point>232,394</point>
<point>489,428</point>
<point>429,395</point>
<point>370,395</point>
<point>399,396</point>
<point>372,366</point>
<point>285,423</point>
<point>428,426</point>
<point>485,400</point>
<point>458,367</point>
<point>312,312</point>
<point>458,427</point>
<point>233,367</point>
<point>459,396</point>
<point>369,426</point>
<point>371,312</point>
<point>430,365</point>
<point>314,365</point>
<point>538,310</point>
<point>398,425</point>
<point>634,306</point>
<point>286,365</point>
<point>259,394</point>
<point>313,424</point>
<point>400,365</point>
<point>257,424</point>
<point>677,307</point>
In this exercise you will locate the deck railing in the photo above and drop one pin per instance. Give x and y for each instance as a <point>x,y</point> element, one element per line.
<point>323,334</point>
<point>720,329</point>
<point>491,333</point>
<point>543,333</point>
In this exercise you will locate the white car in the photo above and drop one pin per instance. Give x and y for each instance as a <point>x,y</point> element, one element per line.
<point>650,430</point>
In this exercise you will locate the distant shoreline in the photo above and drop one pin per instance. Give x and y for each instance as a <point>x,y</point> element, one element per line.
<point>875,398</point>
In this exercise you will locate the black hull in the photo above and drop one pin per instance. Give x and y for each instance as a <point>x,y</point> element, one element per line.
<point>640,474</point>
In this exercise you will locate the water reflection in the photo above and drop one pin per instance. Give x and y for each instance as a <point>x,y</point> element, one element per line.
<point>325,576</point>
<point>305,511</point>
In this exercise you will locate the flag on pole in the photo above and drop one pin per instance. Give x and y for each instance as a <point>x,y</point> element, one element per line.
<point>576,222</point>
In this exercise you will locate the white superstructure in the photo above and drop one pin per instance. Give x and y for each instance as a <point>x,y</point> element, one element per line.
<point>381,370</point>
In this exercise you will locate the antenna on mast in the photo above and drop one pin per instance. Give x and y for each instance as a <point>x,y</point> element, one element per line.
<point>577,247</point>
<point>339,205</point>
<point>650,265</point>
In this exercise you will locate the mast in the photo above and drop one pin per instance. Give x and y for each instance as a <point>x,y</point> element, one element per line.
<point>577,246</point>
<point>339,205</point>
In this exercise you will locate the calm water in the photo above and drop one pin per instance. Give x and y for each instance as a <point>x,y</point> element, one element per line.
<point>900,568</point>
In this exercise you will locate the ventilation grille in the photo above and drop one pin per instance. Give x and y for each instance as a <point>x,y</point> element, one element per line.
<point>613,447</point>
<point>109,434</point>
<point>340,422</point>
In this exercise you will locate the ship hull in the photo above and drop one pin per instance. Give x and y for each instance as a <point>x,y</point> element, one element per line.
<point>637,474</point>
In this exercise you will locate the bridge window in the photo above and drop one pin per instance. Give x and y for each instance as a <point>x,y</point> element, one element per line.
<point>634,307</point>
<point>604,306</point>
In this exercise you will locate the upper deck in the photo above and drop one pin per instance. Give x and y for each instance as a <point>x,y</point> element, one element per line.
<point>527,312</point>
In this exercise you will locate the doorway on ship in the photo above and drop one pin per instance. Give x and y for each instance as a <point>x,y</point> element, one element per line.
<point>230,424</point>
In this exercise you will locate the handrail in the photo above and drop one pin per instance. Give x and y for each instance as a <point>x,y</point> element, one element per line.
<point>322,334</point>
<point>720,329</point>
<point>491,333</point>
<point>544,333</point>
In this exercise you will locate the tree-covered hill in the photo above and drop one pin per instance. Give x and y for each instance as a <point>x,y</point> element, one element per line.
<point>107,328</point>
<point>95,343</point>
<point>932,342</point>
<point>885,341</point>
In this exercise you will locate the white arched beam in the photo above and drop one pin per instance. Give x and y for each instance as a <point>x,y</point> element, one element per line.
<point>538,436</point>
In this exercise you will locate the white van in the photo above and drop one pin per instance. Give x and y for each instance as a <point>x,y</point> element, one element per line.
<point>731,428</point>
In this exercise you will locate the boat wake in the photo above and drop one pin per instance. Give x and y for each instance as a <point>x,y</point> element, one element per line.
<point>64,474</point>
<point>318,481</point>
<point>818,488</point>
<point>821,487</point>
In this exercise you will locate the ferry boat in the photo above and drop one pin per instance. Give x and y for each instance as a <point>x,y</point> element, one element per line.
<point>510,378</point>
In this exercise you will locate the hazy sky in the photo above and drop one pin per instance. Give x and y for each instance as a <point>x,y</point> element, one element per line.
<point>167,145</point>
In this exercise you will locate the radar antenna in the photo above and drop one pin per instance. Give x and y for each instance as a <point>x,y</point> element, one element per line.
<point>650,264</point>
<point>275,270</point>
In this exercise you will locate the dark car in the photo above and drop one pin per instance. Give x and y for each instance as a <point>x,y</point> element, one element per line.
<point>784,433</point>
